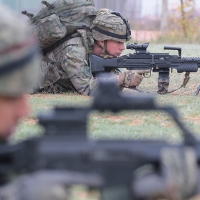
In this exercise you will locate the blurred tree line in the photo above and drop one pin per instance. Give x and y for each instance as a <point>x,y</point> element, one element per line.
<point>131,9</point>
<point>34,5</point>
<point>175,25</point>
<point>180,23</point>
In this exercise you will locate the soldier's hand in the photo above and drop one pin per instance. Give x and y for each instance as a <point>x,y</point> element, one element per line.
<point>131,78</point>
<point>180,172</point>
<point>106,56</point>
<point>176,180</point>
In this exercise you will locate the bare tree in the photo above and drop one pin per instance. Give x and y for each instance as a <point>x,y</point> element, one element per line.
<point>187,8</point>
<point>164,16</point>
<point>183,18</point>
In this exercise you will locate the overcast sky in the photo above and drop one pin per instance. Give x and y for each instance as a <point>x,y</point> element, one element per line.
<point>149,6</point>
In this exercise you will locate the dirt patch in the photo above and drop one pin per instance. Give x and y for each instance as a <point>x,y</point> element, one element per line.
<point>137,122</point>
<point>195,119</point>
<point>117,118</point>
<point>113,118</point>
<point>30,121</point>
<point>167,124</point>
<point>49,96</point>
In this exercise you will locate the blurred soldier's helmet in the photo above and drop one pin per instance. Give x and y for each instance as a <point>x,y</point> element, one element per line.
<point>109,25</point>
<point>19,55</point>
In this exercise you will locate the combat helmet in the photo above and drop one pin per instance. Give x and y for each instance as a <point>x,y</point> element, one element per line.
<point>109,25</point>
<point>19,55</point>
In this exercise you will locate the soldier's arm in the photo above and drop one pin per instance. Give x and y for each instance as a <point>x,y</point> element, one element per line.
<point>74,63</point>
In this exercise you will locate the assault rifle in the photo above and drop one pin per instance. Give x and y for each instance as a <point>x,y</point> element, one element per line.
<point>65,145</point>
<point>144,60</point>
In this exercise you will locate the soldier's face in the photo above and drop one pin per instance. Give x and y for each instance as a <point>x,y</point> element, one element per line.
<point>115,48</point>
<point>11,111</point>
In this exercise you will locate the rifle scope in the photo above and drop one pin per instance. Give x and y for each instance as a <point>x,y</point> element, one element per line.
<point>137,46</point>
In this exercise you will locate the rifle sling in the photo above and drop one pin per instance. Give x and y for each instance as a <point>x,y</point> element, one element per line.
<point>185,81</point>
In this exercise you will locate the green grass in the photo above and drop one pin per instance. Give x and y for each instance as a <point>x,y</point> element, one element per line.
<point>126,125</point>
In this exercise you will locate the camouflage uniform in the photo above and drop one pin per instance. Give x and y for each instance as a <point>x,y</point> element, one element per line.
<point>19,60</point>
<point>19,57</point>
<point>69,69</point>
<point>19,69</point>
<point>73,72</point>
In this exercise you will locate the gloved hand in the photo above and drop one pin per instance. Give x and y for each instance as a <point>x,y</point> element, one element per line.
<point>131,78</point>
<point>163,84</point>
<point>106,56</point>
<point>46,185</point>
<point>176,180</point>
<point>180,171</point>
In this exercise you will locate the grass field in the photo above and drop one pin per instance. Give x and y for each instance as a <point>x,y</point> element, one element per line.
<point>126,125</point>
<point>135,125</point>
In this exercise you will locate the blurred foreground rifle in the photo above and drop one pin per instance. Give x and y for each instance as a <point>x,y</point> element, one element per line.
<point>66,145</point>
<point>197,91</point>
<point>144,60</point>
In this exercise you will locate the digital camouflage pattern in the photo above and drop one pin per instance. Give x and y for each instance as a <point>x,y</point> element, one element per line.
<point>65,68</point>
<point>19,59</point>
<point>108,22</point>
<point>49,30</point>
<point>63,18</point>
<point>61,70</point>
<point>71,71</point>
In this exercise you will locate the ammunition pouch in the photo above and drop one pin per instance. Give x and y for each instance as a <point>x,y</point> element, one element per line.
<point>49,30</point>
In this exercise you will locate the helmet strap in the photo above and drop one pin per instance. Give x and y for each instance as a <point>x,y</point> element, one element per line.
<point>104,47</point>
<point>104,50</point>
<point>95,41</point>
